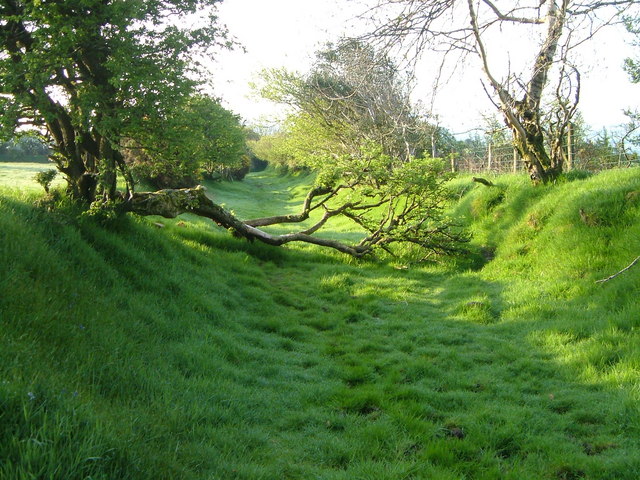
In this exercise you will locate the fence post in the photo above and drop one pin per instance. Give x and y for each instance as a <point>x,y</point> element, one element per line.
<point>490,159</point>
<point>453,163</point>
<point>570,146</point>
<point>515,160</point>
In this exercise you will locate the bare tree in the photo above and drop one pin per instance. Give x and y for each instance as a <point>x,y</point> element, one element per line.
<point>537,102</point>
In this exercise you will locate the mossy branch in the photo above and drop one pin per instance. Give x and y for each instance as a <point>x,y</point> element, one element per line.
<point>170,203</point>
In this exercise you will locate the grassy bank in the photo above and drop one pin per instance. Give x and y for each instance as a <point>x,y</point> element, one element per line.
<point>145,353</point>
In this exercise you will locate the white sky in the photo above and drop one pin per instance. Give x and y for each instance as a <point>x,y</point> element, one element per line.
<point>286,33</point>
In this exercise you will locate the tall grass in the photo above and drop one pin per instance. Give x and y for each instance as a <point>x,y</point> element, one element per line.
<point>183,353</point>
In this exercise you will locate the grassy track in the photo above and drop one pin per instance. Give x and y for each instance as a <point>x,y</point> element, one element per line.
<point>182,353</point>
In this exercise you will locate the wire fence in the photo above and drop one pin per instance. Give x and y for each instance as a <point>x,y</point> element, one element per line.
<point>505,159</point>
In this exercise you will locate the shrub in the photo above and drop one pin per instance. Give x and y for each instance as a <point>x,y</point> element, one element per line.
<point>45,177</point>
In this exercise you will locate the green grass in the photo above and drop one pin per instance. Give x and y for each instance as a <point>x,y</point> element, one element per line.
<point>267,193</point>
<point>183,353</point>
<point>21,175</point>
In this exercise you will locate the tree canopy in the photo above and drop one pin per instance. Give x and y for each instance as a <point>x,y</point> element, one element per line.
<point>354,124</point>
<point>92,73</point>
<point>198,137</point>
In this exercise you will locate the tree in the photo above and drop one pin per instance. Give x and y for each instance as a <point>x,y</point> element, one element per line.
<point>270,148</point>
<point>93,73</point>
<point>222,144</point>
<point>353,123</point>
<point>632,67</point>
<point>536,110</point>
<point>198,137</point>
<point>359,95</point>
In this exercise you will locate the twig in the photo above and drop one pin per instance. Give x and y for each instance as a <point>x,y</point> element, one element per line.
<point>621,271</point>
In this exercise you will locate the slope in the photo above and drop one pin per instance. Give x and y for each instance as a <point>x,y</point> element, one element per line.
<point>142,352</point>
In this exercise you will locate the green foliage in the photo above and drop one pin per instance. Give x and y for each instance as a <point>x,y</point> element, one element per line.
<point>163,165</point>
<point>94,73</point>
<point>353,125</point>
<point>352,95</point>
<point>221,148</point>
<point>632,65</point>
<point>199,137</point>
<point>271,149</point>
<point>45,177</point>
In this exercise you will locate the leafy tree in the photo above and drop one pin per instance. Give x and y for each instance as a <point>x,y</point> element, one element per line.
<point>93,73</point>
<point>221,148</point>
<point>271,148</point>
<point>198,137</point>
<point>353,124</point>
<point>358,94</point>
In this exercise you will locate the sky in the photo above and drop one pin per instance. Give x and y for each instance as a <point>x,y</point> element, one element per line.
<point>286,33</point>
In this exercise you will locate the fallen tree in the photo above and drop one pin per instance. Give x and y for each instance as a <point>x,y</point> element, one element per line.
<point>387,220</point>
<point>172,202</point>
<point>352,122</point>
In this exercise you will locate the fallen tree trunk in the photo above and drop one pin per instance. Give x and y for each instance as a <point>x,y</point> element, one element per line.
<point>171,203</point>
<point>411,216</point>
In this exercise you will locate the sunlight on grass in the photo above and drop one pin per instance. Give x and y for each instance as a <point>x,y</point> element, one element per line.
<point>21,175</point>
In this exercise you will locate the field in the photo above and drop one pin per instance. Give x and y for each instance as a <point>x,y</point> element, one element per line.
<point>20,174</point>
<point>132,351</point>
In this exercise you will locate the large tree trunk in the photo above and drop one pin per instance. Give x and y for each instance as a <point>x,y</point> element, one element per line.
<point>529,141</point>
<point>171,203</point>
<point>83,155</point>
<point>523,116</point>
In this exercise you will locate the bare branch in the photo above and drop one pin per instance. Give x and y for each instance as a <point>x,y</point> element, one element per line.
<point>618,273</point>
<point>509,18</point>
<point>592,6</point>
<point>307,208</point>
